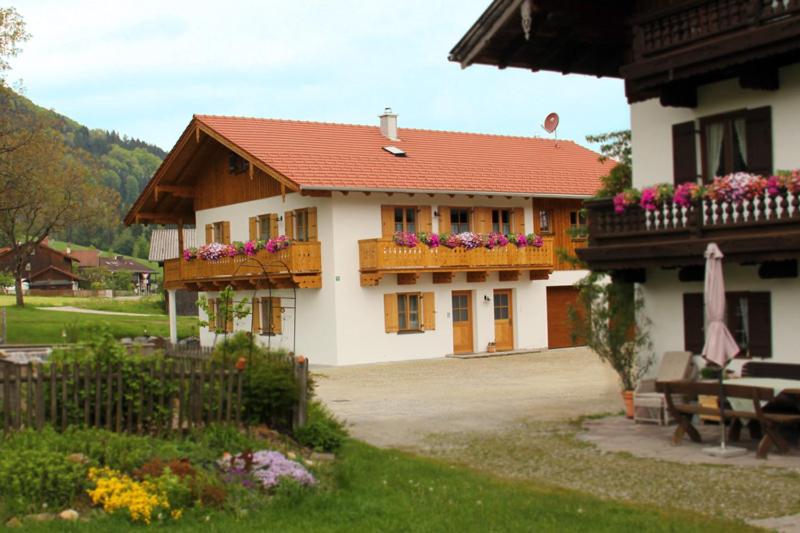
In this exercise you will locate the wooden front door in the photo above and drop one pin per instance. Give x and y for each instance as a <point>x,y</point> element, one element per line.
<point>462,322</point>
<point>559,331</point>
<point>503,320</point>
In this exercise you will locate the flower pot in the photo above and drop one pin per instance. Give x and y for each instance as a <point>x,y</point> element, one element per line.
<point>491,348</point>
<point>627,397</point>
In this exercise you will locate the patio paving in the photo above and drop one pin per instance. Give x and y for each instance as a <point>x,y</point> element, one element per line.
<point>619,434</point>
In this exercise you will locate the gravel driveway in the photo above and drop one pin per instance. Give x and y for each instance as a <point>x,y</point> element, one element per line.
<point>398,404</point>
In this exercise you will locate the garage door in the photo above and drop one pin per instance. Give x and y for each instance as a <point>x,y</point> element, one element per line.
<point>559,333</point>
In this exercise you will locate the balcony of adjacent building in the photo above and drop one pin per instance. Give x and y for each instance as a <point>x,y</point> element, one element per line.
<point>381,257</point>
<point>299,265</point>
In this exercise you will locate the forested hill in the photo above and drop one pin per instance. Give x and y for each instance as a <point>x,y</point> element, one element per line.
<point>125,165</point>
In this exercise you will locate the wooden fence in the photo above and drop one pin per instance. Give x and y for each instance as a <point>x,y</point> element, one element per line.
<point>157,397</point>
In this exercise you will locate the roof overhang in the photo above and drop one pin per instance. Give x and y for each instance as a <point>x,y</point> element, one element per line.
<point>447,192</point>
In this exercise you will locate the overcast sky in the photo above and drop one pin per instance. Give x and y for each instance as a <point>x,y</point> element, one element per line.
<point>143,68</point>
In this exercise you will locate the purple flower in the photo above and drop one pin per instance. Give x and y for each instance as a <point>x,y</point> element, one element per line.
<point>266,467</point>
<point>250,248</point>
<point>276,244</point>
<point>406,238</point>
<point>189,254</point>
<point>521,240</point>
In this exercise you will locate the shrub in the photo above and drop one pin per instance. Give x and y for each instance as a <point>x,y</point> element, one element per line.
<point>323,431</point>
<point>30,478</point>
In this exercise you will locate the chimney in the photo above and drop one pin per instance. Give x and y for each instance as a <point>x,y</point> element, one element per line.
<point>389,124</point>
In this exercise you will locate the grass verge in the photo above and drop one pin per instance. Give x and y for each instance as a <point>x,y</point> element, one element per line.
<point>150,305</point>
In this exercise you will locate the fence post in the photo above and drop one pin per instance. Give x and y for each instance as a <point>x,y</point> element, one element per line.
<point>3,325</point>
<point>301,379</point>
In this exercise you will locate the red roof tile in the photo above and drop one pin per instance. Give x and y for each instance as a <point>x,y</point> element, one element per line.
<point>318,155</point>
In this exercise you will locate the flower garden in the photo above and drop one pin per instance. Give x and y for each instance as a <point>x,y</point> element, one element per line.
<point>733,189</point>
<point>467,240</point>
<point>215,250</point>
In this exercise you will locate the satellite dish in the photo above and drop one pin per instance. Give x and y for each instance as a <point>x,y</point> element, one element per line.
<point>550,122</point>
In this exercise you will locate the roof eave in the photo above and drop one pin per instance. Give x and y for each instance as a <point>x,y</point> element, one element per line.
<point>443,191</point>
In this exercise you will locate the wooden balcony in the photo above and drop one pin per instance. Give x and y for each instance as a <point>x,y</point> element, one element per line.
<point>299,265</point>
<point>758,231</point>
<point>379,257</point>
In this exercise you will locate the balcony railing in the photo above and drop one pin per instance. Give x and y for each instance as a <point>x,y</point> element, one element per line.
<point>671,233</point>
<point>385,256</point>
<point>300,264</point>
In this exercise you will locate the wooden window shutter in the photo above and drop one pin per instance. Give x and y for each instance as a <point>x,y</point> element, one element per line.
<point>226,232</point>
<point>424,219</point>
<point>684,153</point>
<point>518,220</point>
<point>387,221</point>
<point>483,219</point>
<point>212,315</point>
<point>693,320</point>
<point>444,219</point>
<point>273,225</point>
<point>288,223</point>
<point>390,313</point>
<point>256,315</point>
<point>312,223</point>
<point>209,233</point>
<point>253,223</point>
<point>760,318</point>
<point>428,311</point>
<point>759,140</point>
<point>229,314</point>
<point>277,322</point>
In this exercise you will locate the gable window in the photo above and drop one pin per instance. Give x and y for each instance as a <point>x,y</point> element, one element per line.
<point>747,316</point>
<point>459,219</point>
<point>405,219</point>
<point>408,312</point>
<point>545,224</point>
<point>501,221</point>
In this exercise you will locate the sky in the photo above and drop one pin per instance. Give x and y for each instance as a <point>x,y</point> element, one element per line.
<point>143,68</point>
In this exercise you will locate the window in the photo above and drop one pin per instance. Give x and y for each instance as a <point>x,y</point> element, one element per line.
<point>459,220</point>
<point>301,224</point>
<point>501,311</point>
<point>405,219</point>
<point>748,317</point>
<point>265,227</point>
<point>460,308</point>
<point>501,221</point>
<point>577,219</point>
<point>218,234</point>
<point>724,141</point>
<point>545,218</point>
<point>408,312</point>
<point>236,164</point>
<point>270,316</point>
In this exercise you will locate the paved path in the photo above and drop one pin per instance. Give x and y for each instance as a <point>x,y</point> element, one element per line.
<point>72,309</point>
<point>398,404</point>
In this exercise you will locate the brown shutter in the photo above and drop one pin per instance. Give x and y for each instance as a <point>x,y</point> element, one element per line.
<point>693,336</point>
<point>387,221</point>
<point>229,314</point>
<point>226,232</point>
<point>444,219</point>
<point>518,220</point>
<point>759,140</point>
<point>212,316</point>
<point>684,153</point>
<point>483,219</point>
<point>288,223</point>
<point>390,313</point>
<point>424,219</point>
<point>277,322</point>
<point>256,315</point>
<point>760,318</point>
<point>253,228</point>
<point>312,223</point>
<point>428,311</point>
<point>209,233</point>
<point>273,225</point>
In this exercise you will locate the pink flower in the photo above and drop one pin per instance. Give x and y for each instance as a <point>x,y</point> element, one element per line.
<point>406,238</point>
<point>619,202</point>
<point>189,254</point>
<point>648,200</point>
<point>276,244</point>
<point>250,248</point>
<point>521,240</point>
<point>538,242</point>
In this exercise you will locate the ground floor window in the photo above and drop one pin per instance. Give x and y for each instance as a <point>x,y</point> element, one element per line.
<point>748,317</point>
<point>267,316</point>
<point>408,312</point>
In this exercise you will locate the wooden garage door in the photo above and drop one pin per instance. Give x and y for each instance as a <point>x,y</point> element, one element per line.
<point>559,333</point>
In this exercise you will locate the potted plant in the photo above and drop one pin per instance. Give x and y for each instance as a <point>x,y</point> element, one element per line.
<point>608,319</point>
<point>491,347</point>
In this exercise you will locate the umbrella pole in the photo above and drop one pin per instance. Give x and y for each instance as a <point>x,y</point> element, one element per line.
<point>722,408</point>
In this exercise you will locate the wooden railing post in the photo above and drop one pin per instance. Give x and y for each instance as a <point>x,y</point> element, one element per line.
<point>301,380</point>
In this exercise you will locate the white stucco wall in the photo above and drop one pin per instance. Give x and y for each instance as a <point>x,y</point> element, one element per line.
<point>343,323</point>
<point>651,124</point>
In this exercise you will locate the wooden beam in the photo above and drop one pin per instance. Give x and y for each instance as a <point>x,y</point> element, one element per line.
<point>679,95</point>
<point>180,239</point>
<point>180,191</point>
<point>157,218</point>
<point>509,275</point>
<point>537,275</point>
<point>315,193</point>
<point>443,277</point>
<point>408,278</point>
<point>371,279</point>
<point>477,276</point>
<point>763,78</point>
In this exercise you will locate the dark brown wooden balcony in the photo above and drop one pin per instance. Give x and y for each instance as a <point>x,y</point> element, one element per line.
<point>756,231</point>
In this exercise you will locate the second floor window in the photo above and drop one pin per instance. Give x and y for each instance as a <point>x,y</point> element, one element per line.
<point>724,140</point>
<point>545,221</point>
<point>405,219</point>
<point>577,219</point>
<point>265,227</point>
<point>459,220</point>
<point>501,221</point>
<point>301,224</point>
<point>218,232</point>
<point>408,312</point>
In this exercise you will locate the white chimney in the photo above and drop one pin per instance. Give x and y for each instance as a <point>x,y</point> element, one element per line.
<point>389,124</point>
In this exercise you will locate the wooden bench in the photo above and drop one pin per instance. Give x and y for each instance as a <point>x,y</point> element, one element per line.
<point>680,396</point>
<point>763,369</point>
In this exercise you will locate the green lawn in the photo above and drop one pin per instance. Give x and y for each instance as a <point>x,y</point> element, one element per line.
<point>150,305</point>
<point>380,490</point>
<point>29,325</point>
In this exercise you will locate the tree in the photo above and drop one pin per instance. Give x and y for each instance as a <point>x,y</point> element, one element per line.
<point>12,34</point>
<point>46,189</point>
<point>615,145</point>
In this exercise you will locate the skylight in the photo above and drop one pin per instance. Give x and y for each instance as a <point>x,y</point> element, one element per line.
<point>395,151</point>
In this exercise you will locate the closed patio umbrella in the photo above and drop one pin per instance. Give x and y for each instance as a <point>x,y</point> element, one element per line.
<point>720,346</point>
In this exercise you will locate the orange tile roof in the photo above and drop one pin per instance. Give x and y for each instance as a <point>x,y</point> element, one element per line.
<point>318,155</point>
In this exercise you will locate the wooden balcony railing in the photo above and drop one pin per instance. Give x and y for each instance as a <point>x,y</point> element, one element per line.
<point>760,229</point>
<point>299,265</point>
<point>382,256</point>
